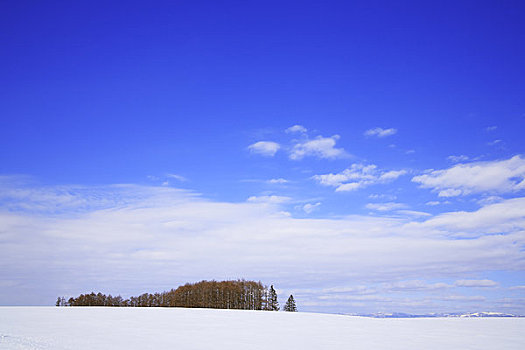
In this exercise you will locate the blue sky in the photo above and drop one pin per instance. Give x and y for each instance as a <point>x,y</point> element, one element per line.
<point>364,156</point>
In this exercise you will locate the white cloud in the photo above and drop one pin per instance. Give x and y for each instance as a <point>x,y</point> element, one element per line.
<point>177,177</point>
<point>121,239</point>
<point>308,207</point>
<point>433,203</point>
<point>414,285</point>
<point>348,187</point>
<point>355,297</point>
<point>414,213</point>
<point>491,128</point>
<point>382,196</point>
<point>277,181</point>
<point>391,175</point>
<point>464,298</point>
<point>380,132</point>
<point>449,192</point>
<point>358,176</point>
<point>502,217</point>
<point>476,283</point>
<point>360,289</point>
<point>490,200</point>
<point>494,143</point>
<point>478,177</point>
<point>264,148</point>
<point>269,199</point>
<point>457,159</point>
<point>320,147</point>
<point>385,206</point>
<point>296,128</point>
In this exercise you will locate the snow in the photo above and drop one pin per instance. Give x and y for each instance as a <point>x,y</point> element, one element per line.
<point>176,328</point>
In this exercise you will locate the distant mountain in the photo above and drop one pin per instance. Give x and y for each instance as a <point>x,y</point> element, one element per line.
<point>485,314</point>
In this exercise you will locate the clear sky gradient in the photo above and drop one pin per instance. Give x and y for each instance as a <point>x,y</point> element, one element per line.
<point>366,156</point>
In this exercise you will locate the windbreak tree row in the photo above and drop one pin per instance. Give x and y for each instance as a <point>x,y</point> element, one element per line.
<point>240,294</point>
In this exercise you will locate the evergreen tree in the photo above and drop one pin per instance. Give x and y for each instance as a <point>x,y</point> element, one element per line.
<point>273,304</point>
<point>290,305</point>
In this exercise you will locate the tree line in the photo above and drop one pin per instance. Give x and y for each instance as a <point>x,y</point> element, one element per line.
<point>239,294</point>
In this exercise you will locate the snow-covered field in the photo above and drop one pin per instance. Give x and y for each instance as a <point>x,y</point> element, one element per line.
<point>173,328</point>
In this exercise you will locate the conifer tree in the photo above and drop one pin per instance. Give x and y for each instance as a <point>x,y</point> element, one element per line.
<point>273,304</point>
<point>290,305</point>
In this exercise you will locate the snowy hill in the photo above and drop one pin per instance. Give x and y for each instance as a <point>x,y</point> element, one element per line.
<point>403,315</point>
<point>173,328</point>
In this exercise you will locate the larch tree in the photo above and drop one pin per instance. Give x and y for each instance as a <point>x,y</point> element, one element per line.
<point>239,294</point>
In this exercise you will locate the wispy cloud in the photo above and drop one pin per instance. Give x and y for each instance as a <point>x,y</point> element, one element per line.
<point>478,177</point>
<point>414,213</point>
<point>385,206</point>
<point>382,196</point>
<point>264,148</point>
<point>272,199</point>
<point>355,297</point>
<point>358,176</point>
<point>502,217</point>
<point>457,159</point>
<point>414,285</point>
<point>476,283</point>
<point>309,207</point>
<point>177,177</point>
<point>489,200</point>
<point>359,289</point>
<point>134,236</point>
<point>277,181</point>
<point>380,132</point>
<point>494,143</point>
<point>464,298</point>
